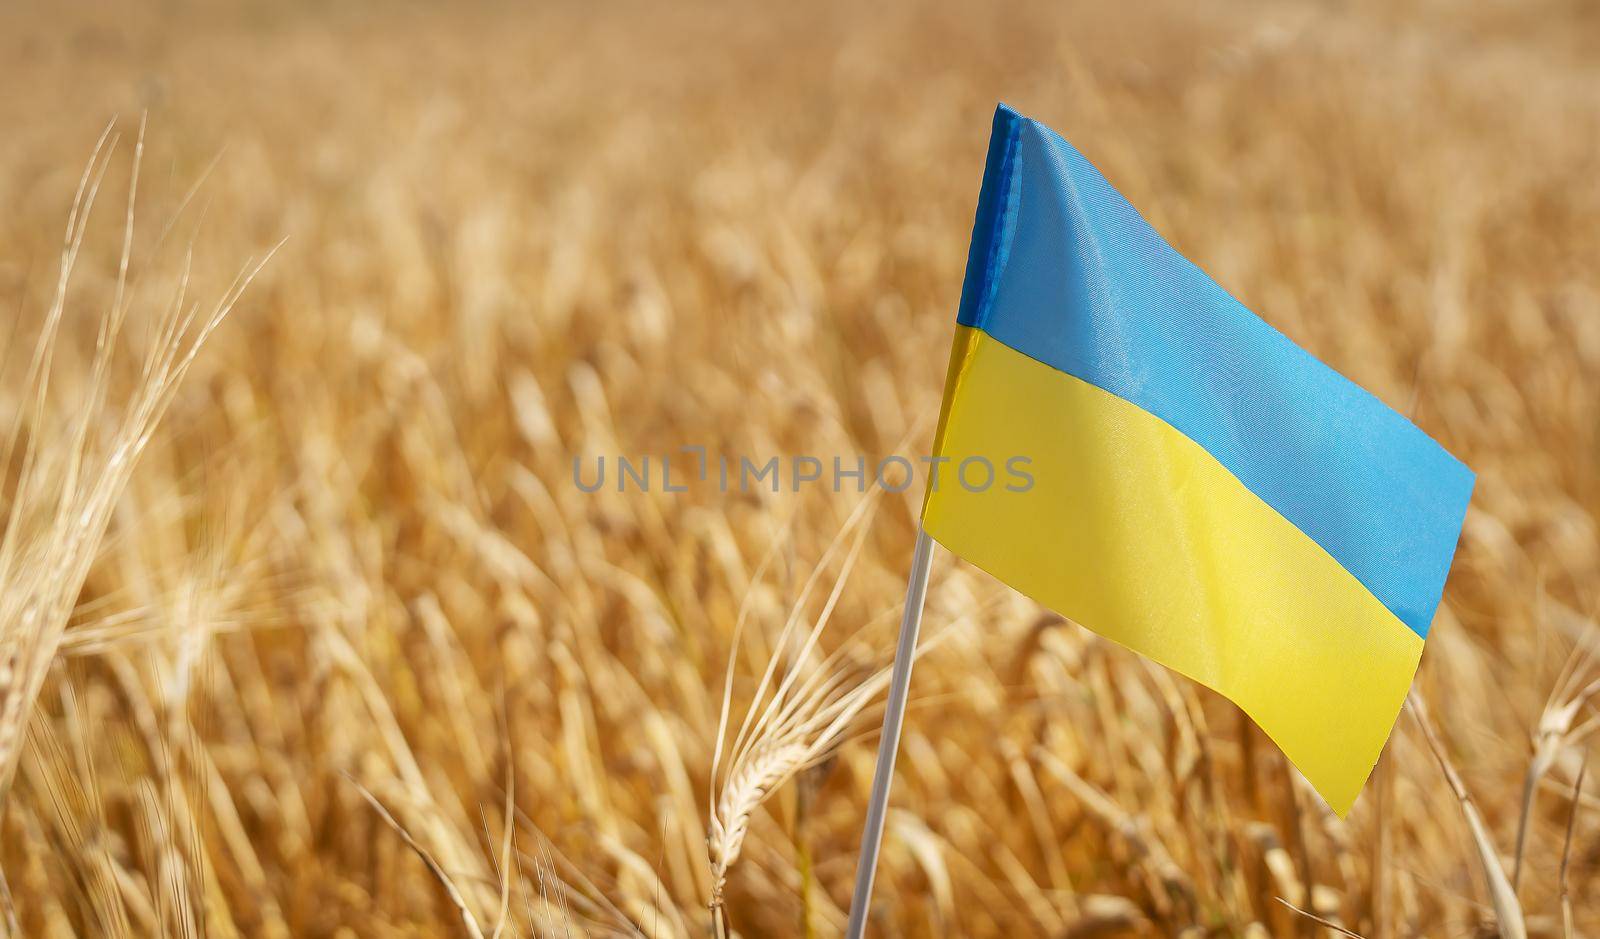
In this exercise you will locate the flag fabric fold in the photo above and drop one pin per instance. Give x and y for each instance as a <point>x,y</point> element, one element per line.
<point>1205,492</point>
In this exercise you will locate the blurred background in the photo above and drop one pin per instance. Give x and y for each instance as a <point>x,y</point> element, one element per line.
<point>348,653</point>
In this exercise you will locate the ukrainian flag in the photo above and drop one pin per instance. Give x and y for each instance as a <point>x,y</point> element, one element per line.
<point>1205,492</point>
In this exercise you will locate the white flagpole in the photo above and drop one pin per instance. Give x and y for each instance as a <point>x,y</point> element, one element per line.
<point>894,713</point>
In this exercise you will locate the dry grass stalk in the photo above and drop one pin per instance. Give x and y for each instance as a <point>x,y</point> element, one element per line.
<point>1507,909</point>
<point>1555,732</point>
<point>1325,923</point>
<point>1566,853</point>
<point>469,922</point>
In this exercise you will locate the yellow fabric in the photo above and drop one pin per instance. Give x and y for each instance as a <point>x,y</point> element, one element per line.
<point>1136,532</point>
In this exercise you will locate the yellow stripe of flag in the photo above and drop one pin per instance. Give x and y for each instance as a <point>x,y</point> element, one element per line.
<point>1134,529</point>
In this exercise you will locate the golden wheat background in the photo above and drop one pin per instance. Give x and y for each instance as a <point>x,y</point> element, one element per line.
<point>348,654</point>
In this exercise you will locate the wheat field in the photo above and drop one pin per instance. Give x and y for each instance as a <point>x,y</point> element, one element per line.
<point>306,629</point>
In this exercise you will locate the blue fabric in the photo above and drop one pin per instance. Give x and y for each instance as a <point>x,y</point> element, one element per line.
<point>1064,270</point>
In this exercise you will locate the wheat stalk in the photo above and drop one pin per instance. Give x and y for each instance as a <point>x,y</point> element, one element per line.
<point>1566,852</point>
<point>68,485</point>
<point>1503,896</point>
<point>764,770</point>
<point>808,713</point>
<point>1555,731</point>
